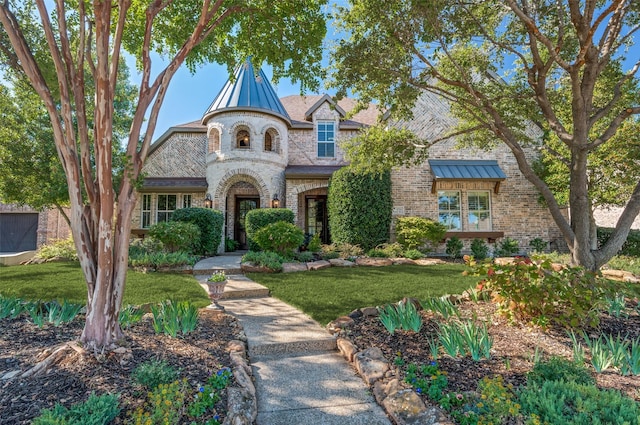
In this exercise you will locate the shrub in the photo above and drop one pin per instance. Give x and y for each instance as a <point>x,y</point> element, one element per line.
<point>61,248</point>
<point>304,256</point>
<point>479,249</point>
<point>97,410</point>
<point>348,250</point>
<point>377,253</point>
<point>413,254</point>
<point>538,245</point>
<point>270,260</point>
<point>359,208</point>
<point>314,244</point>
<point>230,245</point>
<point>454,247</point>
<point>261,217</point>
<point>631,247</point>
<point>508,247</point>
<point>570,403</point>
<point>210,224</point>
<point>148,245</point>
<point>392,250</point>
<point>176,235</point>
<point>416,232</point>
<point>559,369</point>
<point>152,373</point>
<point>162,259</point>
<point>280,237</point>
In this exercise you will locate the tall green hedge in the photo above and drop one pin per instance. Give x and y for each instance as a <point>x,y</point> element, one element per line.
<point>631,247</point>
<point>261,217</point>
<point>359,208</point>
<point>210,223</point>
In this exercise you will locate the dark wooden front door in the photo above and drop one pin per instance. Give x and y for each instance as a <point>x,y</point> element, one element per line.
<point>316,217</point>
<point>243,206</point>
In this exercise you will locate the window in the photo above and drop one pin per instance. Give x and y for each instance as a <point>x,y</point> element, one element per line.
<point>186,201</point>
<point>479,211</point>
<point>449,210</point>
<point>326,138</point>
<point>166,206</point>
<point>268,141</point>
<point>243,141</point>
<point>214,141</point>
<point>146,211</point>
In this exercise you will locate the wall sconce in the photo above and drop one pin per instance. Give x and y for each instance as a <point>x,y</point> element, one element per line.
<point>208,202</point>
<point>275,202</point>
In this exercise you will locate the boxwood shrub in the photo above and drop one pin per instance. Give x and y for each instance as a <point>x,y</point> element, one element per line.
<point>210,224</point>
<point>261,217</point>
<point>359,208</point>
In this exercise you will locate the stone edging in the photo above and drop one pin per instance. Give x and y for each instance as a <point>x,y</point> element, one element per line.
<point>242,406</point>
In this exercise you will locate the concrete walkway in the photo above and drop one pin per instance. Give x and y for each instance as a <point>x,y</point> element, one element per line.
<point>299,376</point>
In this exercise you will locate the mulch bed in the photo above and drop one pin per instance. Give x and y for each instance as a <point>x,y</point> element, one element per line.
<point>22,345</point>
<point>512,355</point>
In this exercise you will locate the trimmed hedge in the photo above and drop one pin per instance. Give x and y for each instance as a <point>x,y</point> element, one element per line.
<point>281,237</point>
<point>177,235</point>
<point>210,223</point>
<point>359,208</point>
<point>631,247</point>
<point>261,217</point>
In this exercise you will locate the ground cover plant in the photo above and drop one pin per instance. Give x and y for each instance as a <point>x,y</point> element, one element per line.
<point>330,293</point>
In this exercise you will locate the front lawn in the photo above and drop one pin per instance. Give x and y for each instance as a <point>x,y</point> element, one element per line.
<point>64,281</point>
<point>327,294</point>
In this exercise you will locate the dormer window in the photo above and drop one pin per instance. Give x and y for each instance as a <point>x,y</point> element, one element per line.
<point>243,141</point>
<point>326,139</point>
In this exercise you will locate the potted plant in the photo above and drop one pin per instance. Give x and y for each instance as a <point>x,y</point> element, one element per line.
<point>215,286</point>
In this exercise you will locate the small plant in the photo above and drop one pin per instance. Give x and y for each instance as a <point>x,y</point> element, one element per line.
<point>152,373</point>
<point>130,315</point>
<point>616,306</point>
<point>171,317</point>
<point>442,306</point>
<point>413,254</point>
<point>454,247</point>
<point>479,249</point>
<point>97,410</point>
<point>450,339</point>
<point>601,356</point>
<point>633,357</point>
<point>62,248</point>
<point>57,314</point>
<point>538,245</point>
<point>280,237</point>
<point>392,250</point>
<point>164,405</point>
<point>403,315</point>
<point>230,245</point>
<point>304,256</point>
<point>10,307</point>
<point>314,245</point>
<point>270,260</point>
<point>508,247</point>
<point>209,394</point>
<point>377,253</point>
<point>35,310</point>
<point>348,250</point>
<point>498,404</point>
<point>427,379</point>
<point>476,340</point>
<point>559,369</point>
<point>577,349</point>
<point>218,276</point>
<point>162,259</point>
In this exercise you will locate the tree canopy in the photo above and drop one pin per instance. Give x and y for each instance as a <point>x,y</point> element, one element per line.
<point>560,65</point>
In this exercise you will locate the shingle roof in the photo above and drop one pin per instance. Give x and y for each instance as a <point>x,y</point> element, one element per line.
<point>247,91</point>
<point>449,169</point>
<point>172,184</point>
<point>310,171</point>
<point>298,107</point>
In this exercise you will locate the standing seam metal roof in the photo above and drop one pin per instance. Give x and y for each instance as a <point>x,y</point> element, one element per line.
<point>248,91</point>
<point>466,169</point>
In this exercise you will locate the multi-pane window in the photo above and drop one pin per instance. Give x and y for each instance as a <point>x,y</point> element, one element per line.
<point>186,201</point>
<point>166,206</point>
<point>326,139</point>
<point>479,218</point>
<point>243,140</point>
<point>146,211</point>
<point>449,211</point>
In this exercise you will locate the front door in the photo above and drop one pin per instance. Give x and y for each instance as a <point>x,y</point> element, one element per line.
<point>316,217</point>
<point>243,206</point>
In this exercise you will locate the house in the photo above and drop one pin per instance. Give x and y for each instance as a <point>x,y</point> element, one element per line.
<point>252,149</point>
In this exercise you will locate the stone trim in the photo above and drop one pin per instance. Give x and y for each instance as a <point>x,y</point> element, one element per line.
<point>240,175</point>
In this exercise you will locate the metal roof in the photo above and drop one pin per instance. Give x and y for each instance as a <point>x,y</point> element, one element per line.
<point>248,91</point>
<point>450,169</point>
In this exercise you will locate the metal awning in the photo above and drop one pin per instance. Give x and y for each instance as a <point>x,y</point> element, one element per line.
<point>458,169</point>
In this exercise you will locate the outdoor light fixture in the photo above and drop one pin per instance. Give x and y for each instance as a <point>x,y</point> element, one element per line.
<point>208,202</point>
<point>275,202</point>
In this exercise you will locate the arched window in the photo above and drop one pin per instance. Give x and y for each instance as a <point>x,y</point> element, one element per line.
<point>243,141</point>
<point>268,141</point>
<point>214,140</point>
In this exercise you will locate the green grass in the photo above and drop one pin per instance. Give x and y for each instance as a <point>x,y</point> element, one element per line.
<point>64,281</point>
<point>327,294</point>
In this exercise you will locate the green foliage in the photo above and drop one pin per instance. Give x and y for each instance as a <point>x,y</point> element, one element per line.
<point>413,254</point>
<point>10,307</point>
<point>377,253</point>
<point>559,369</point>
<point>153,373</point>
<point>538,245</point>
<point>427,379</point>
<point>258,218</point>
<point>52,312</point>
<point>442,306</point>
<point>270,260</point>
<point>465,337</point>
<point>209,222</point>
<point>209,394</point>
<point>359,208</point>
<point>162,259</point>
<point>403,315</point>
<point>280,237</point>
<point>61,248</point>
<point>416,232</point>
<point>622,262</point>
<point>343,250</point>
<point>454,247</point>
<point>218,276</point>
<point>230,245</point>
<point>392,250</point>
<point>97,410</point>
<point>532,291</point>
<point>570,403</point>
<point>164,405</point>
<point>630,248</point>
<point>130,315</point>
<point>479,249</point>
<point>304,257</point>
<point>314,245</point>
<point>498,404</point>
<point>508,247</point>
<point>176,235</point>
<point>171,317</point>
<point>148,245</point>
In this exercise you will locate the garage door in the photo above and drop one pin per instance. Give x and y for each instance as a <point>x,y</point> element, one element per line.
<point>18,232</point>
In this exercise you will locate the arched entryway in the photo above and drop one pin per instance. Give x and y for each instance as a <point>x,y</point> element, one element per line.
<point>242,197</point>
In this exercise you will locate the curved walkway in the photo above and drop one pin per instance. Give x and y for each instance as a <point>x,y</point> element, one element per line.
<point>299,376</point>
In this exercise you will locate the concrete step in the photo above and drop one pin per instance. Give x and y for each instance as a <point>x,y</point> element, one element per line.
<point>238,286</point>
<point>209,271</point>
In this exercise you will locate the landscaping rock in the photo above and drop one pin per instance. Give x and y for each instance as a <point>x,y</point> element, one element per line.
<point>355,314</point>
<point>10,375</point>
<point>403,261</point>
<point>620,275</point>
<point>346,348</point>
<point>253,268</point>
<point>340,262</point>
<point>241,407</point>
<point>558,267</point>
<point>406,408</point>
<point>318,265</point>
<point>342,322</point>
<point>503,261</point>
<point>236,346</point>
<point>371,364</point>
<point>294,267</point>
<point>370,312</point>
<point>428,261</point>
<point>375,262</point>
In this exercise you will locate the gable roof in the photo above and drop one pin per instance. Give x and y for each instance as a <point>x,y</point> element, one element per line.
<point>247,91</point>
<point>299,107</point>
